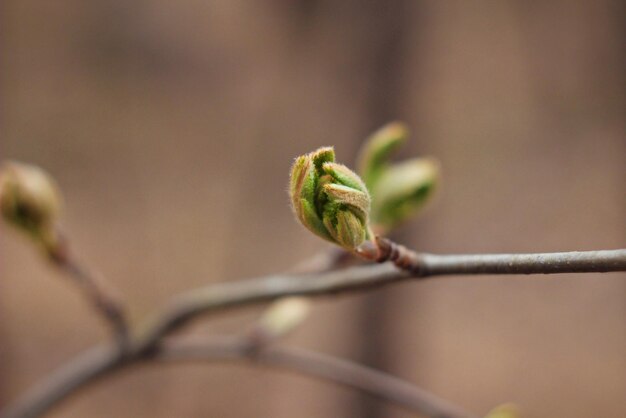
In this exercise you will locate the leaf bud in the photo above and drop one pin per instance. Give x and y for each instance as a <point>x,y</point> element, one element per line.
<point>374,155</point>
<point>329,199</point>
<point>283,316</point>
<point>403,189</point>
<point>30,201</point>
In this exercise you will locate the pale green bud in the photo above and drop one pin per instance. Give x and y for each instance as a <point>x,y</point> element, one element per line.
<point>330,199</point>
<point>398,190</point>
<point>403,189</point>
<point>504,411</point>
<point>283,316</point>
<point>30,201</point>
<point>374,155</point>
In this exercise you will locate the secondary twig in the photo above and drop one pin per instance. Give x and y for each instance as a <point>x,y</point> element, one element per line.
<point>102,361</point>
<point>97,292</point>
<point>425,265</point>
<point>324,367</point>
<point>222,296</point>
<point>76,375</point>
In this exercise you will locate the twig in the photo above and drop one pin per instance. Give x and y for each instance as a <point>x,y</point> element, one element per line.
<point>101,361</point>
<point>223,296</point>
<point>324,367</point>
<point>76,375</point>
<point>425,265</point>
<point>101,296</point>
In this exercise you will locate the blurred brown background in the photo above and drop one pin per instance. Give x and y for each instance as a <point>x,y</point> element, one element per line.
<point>171,127</point>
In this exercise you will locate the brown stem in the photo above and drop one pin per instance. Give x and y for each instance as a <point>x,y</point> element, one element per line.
<point>317,365</point>
<point>425,265</point>
<point>101,362</point>
<point>99,293</point>
<point>413,265</point>
<point>72,377</point>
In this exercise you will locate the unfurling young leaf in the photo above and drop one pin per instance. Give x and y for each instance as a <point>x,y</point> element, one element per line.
<point>374,155</point>
<point>403,189</point>
<point>398,190</point>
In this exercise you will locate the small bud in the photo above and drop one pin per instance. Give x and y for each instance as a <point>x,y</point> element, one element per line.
<point>375,152</point>
<point>283,316</point>
<point>504,411</point>
<point>330,199</point>
<point>403,189</point>
<point>30,201</point>
<point>398,190</point>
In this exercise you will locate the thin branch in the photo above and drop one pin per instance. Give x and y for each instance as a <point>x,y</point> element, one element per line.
<point>425,265</point>
<point>97,292</point>
<point>222,296</point>
<point>102,361</point>
<point>76,375</point>
<point>324,367</point>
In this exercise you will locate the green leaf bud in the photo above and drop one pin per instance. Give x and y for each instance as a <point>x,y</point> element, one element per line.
<point>374,155</point>
<point>330,199</point>
<point>403,189</point>
<point>398,190</point>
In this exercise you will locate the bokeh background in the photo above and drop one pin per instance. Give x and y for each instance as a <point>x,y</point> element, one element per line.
<point>171,127</point>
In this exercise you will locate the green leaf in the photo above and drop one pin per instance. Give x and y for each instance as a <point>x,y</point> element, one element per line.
<point>321,156</point>
<point>343,175</point>
<point>355,199</point>
<point>313,223</point>
<point>350,230</point>
<point>374,155</point>
<point>402,190</point>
